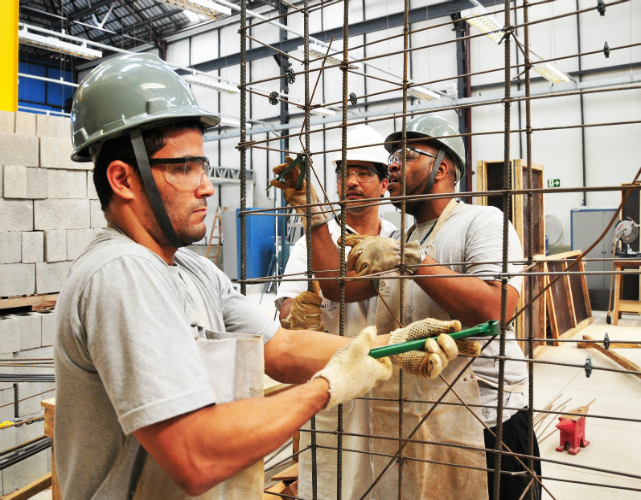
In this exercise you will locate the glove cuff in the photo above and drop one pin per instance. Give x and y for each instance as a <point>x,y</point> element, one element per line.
<point>414,256</point>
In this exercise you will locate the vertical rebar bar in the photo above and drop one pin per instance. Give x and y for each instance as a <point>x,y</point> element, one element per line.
<point>530,246</point>
<point>308,214</point>
<point>243,148</point>
<point>504,268</point>
<point>343,270</point>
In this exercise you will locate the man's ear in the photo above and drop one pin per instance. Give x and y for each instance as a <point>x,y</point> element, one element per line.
<point>442,171</point>
<point>122,179</point>
<point>384,184</point>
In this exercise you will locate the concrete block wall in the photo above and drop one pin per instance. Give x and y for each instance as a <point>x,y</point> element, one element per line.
<point>49,214</point>
<point>48,204</point>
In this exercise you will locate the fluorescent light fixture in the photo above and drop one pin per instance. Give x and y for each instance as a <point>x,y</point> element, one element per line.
<point>203,7</point>
<point>211,83</point>
<point>316,50</point>
<point>57,45</point>
<point>322,111</point>
<point>230,121</point>
<point>552,73</point>
<point>422,93</point>
<point>484,22</point>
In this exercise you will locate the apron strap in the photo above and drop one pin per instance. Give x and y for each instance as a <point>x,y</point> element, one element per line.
<point>441,220</point>
<point>522,387</point>
<point>136,472</point>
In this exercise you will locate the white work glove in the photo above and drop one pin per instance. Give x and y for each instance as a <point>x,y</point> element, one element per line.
<point>351,372</point>
<point>305,313</point>
<point>296,197</point>
<point>371,254</point>
<point>438,353</point>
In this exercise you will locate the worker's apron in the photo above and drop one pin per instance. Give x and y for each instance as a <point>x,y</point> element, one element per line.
<point>356,467</point>
<point>450,425</point>
<point>235,363</point>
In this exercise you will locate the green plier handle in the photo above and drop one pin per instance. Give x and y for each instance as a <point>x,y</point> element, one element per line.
<point>300,162</point>
<point>483,330</point>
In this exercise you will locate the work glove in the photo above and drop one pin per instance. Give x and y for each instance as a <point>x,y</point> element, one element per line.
<point>351,372</point>
<point>371,254</point>
<point>296,197</point>
<point>305,313</point>
<point>437,354</point>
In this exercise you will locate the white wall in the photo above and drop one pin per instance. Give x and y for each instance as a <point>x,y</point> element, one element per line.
<point>611,153</point>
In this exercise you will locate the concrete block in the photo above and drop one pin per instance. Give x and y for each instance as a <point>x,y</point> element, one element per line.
<point>10,247</point>
<point>25,123</point>
<point>50,277</point>
<point>25,472</point>
<point>36,429</point>
<point>17,279</point>
<point>48,327</point>
<point>91,187</point>
<point>8,435</point>
<point>53,126</point>
<point>61,214</point>
<point>56,183</point>
<point>30,327</point>
<point>77,241</point>
<point>37,183</point>
<point>55,245</point>
<point>9,335</point>
<point>1,188</point>
<point>7,122</point>
<point>19,149</point>
<point>76,184</point>
<point>33,247</point>
<point>98,220</point>
<point>56,153</point>
<point>15,181</point>
<point>17,215</point>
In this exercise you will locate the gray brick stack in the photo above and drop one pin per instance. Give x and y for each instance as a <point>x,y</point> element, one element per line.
<point>49,214</point>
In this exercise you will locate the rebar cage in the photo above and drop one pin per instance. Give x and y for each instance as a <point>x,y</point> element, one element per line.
<point>518,61</point>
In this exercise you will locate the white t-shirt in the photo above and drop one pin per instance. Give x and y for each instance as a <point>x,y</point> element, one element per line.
<point>358,315</point>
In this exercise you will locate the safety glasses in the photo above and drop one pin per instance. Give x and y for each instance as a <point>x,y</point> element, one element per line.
<point>187,171</point>
<point>411,154</point>
<point>361,176</point>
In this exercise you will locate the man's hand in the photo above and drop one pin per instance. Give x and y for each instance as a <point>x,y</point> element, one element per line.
<point>296,197</point>
<point>438,353</point>
<point>305,313</point>
<point>371,254</point>
<point>351,372</point>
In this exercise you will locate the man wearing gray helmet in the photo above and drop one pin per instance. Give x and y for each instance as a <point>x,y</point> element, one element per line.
<point>159,362</point>
<point>446,234</point>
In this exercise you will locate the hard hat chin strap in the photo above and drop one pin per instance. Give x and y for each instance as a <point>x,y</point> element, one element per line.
<point>430,180</point>
<point>152,189</point>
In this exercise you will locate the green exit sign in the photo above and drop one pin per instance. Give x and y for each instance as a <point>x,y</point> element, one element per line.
<point>554,183</point>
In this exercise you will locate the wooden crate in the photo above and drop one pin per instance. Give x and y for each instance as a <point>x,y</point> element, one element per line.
<point>489,177</point>
<point>539,312</point>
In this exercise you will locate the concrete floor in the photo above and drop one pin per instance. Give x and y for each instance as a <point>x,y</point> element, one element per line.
<point>613,445</point>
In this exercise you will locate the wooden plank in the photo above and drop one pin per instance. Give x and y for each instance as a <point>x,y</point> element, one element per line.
<point>50,410</point>
<point>273,492</point>
<point>613,345</point>
<point>573,331</point>
<point>629,306</point>
<point>31,489</point>
<point>289,474</point>
<point>617,358</point>
<point>30,300</point>
<point>291,490</point>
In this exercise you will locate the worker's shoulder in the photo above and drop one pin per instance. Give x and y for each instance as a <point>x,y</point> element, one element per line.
<point>475,213</point>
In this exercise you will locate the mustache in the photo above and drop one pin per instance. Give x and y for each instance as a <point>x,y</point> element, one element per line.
<point>201,204</point>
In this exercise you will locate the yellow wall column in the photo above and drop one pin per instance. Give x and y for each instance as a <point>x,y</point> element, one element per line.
<point>9,55</point>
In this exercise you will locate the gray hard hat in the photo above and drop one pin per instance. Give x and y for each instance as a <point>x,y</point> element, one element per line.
<point>429,126</point>
<point>129,92</point>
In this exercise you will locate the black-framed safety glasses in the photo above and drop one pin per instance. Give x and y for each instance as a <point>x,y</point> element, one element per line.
<point>411,154</point>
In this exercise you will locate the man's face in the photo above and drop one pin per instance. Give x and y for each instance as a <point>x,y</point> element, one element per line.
<point>417,172</point>
<point>358,189</point>
<point>186,205</point>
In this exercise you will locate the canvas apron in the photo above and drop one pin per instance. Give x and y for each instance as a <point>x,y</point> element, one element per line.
<point>446,424</point>
<point>357,469</point>
<point>235,363</point>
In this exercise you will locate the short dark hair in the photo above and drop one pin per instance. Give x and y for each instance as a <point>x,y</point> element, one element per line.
<point>121,149</point>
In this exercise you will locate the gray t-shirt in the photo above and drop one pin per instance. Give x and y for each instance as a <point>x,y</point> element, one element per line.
<point>473,234</point>
<point>125,356</point>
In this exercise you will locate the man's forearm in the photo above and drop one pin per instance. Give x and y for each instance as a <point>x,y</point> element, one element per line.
<point>293,356</point>
<point>203,448</point>
<point>466,298</point>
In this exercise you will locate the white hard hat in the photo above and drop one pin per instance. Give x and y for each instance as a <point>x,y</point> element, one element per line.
<point>362,137</point>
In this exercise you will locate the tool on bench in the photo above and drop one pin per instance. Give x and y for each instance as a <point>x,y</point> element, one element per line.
<point>626,231</point>
<point>487,329</point>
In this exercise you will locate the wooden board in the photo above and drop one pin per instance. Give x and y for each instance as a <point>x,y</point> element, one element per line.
<point>617,358</point>
<point>47,300</point>
<point>539,311</point>
<point>289,474</point>
<point>31,489</point>
<point>559,302</point>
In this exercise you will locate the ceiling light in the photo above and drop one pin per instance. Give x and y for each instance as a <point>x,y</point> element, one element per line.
<point>552,73</point>
<point>484,22</point>
<point>57,45</point>
<point>322,111</point>
<point>202,7</point>
<point>211,83</point>
<point>316,51</point>
<point>422,93</point>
